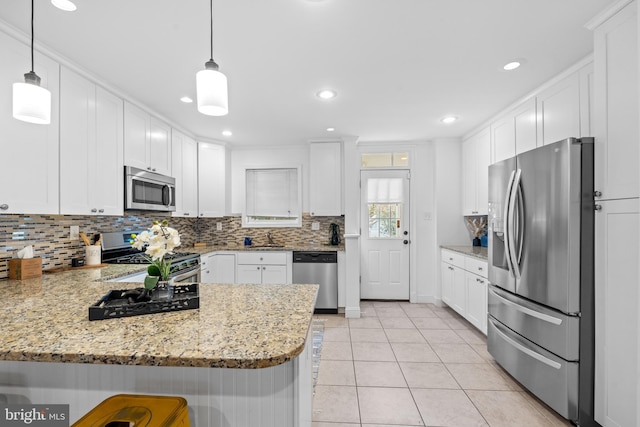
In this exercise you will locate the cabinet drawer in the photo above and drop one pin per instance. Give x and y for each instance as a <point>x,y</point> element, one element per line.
<point>261,258</point>
<point>453,258</point>
<point>476,266</point>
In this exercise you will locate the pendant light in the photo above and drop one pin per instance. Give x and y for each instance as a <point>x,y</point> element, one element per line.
<point>31,102</point>
<point>211,86</point>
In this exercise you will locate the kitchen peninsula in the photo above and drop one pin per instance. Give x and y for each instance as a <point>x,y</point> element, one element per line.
<point>242,359</point>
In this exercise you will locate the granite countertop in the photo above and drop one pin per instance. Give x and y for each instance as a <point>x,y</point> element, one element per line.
<point>241,248</point>
<point>474,251</point>
<point>237,326</point>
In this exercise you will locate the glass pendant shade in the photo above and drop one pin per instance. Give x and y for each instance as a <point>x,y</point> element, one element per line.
<point>211,88</point>
<point>31,102</point>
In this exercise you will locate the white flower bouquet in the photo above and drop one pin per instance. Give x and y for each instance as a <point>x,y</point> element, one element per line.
<point>157,242</point>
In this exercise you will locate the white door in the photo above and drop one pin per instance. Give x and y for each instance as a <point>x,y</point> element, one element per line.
<point>385,234</point>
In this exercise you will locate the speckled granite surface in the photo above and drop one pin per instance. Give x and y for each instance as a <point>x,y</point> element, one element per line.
<point>227,249</point>
<point>475,251</point>
<point>236,326</point>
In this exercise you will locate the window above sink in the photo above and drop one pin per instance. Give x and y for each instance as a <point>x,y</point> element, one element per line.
<point>273,197</point>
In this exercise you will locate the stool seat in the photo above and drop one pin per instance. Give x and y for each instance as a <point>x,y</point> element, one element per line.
<point>137,410</point>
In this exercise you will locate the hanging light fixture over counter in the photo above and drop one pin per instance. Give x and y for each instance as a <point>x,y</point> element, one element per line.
<point>31,102</point>
<point>211,86</point>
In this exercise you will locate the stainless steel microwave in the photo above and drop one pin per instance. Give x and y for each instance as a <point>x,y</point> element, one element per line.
<point>149,191</point>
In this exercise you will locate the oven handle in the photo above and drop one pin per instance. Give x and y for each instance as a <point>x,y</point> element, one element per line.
<point>184,274</point>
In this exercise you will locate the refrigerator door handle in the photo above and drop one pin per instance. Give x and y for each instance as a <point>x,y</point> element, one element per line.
<point>520,224</point>
<point>525,350</point>
<point>506,230</point>
<point>526,310</point>
<point>511,225</point>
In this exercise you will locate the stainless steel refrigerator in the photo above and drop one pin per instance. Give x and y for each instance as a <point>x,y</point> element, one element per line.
<point>541,297</point>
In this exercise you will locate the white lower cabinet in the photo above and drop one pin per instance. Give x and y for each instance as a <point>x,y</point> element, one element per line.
<point>464,286</point>
<point>617,363</point>
<point>218,267</point>
<point>263,267</point>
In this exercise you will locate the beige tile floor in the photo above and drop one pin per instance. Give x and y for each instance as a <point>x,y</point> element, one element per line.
<point>405,364</point>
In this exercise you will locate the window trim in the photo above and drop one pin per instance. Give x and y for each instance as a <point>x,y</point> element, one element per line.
<point>253,222</point>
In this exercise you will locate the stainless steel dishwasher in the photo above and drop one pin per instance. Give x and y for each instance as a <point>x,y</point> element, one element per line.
<point>319,268</point>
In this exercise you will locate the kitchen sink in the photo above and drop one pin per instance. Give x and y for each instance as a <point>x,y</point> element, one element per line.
<point>273,245</point>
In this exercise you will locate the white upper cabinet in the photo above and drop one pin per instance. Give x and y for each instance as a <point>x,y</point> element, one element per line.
<point>503,139</point>
<point>211,180</point>
<point>515,132</point>
<point>30,152</point>
<point>185,171</point>
<point>616,101</point>
<point>325,179</point>
<point>147,141</point>
<point>476,152</point>
<point>91,148</point>
<point>559,110</point>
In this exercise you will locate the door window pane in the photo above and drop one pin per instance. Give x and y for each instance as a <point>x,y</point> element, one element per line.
<point>384,220</point>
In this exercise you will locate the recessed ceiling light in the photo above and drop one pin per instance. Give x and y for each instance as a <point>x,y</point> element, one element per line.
<point>512,65</point>
<point>227,133</point>
<point>448,119</point>
<point>330,129</point>
<point>326,94</point>
<point>186,100</point>
<point>65,5</point>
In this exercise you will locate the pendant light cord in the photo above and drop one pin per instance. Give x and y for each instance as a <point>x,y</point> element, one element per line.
<point>32,36</point>
<point>211,3</point>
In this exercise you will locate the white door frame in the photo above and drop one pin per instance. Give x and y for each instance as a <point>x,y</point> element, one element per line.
<point>393,285</point>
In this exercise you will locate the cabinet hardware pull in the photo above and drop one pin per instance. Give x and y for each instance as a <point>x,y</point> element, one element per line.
<point>101,210</point>
<point>186,214</point>
<point>597,193</point>
<point>597,207</point>
<point>94,210</point>
<point>4,207</point>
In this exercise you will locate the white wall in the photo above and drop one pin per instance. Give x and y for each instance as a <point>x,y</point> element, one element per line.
<point>267,157</point>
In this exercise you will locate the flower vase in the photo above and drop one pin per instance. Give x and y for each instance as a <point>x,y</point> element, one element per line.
<point>163,290</point>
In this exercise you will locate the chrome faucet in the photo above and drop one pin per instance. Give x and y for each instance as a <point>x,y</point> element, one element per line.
<point>270,242</point>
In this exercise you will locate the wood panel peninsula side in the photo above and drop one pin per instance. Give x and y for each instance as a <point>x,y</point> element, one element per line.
<point>242,359</point>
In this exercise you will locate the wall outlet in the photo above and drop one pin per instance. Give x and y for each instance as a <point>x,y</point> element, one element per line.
<point>74,232</point>
<point>315,226</point>
<point>219,226</point>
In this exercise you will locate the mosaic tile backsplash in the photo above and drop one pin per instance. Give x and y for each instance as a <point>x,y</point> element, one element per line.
<point>49,234</point>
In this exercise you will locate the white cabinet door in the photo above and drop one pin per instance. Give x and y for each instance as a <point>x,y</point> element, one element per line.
<point>207,268</point>
<point>274,274</point>
<point>459,291</point>
<point>184,162</point>
<point>447,273</point>
<point>137,132</point>
<point>469,175</point>
<point>249,274</point>
<point>524,119</point>
<point>476,156</point>
<point>476,301</point>
<point>211,180</point>
<point>30,152</point>
<point>617,300</point>
<point>503,139</point>
<point>160,147</point>
<point>147,141</point>
<point>559,110</point>
<point>225,268</point>
<point>91,148</point>
<point>108,171</point>
<point>325,179</point>
<point>616,106</point>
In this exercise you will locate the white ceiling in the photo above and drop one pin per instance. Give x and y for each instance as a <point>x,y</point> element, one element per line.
<point>398,65</point>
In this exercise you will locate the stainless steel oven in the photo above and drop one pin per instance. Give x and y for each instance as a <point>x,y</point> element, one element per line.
<point>191,275</point>
<point>149,191</point>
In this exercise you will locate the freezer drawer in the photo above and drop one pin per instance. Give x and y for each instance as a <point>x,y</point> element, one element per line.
<point>552,379</point>
<point>550,329</point>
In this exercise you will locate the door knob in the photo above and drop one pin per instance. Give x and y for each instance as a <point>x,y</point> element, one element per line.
<point>406,242</point>
<point>405,232</point>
